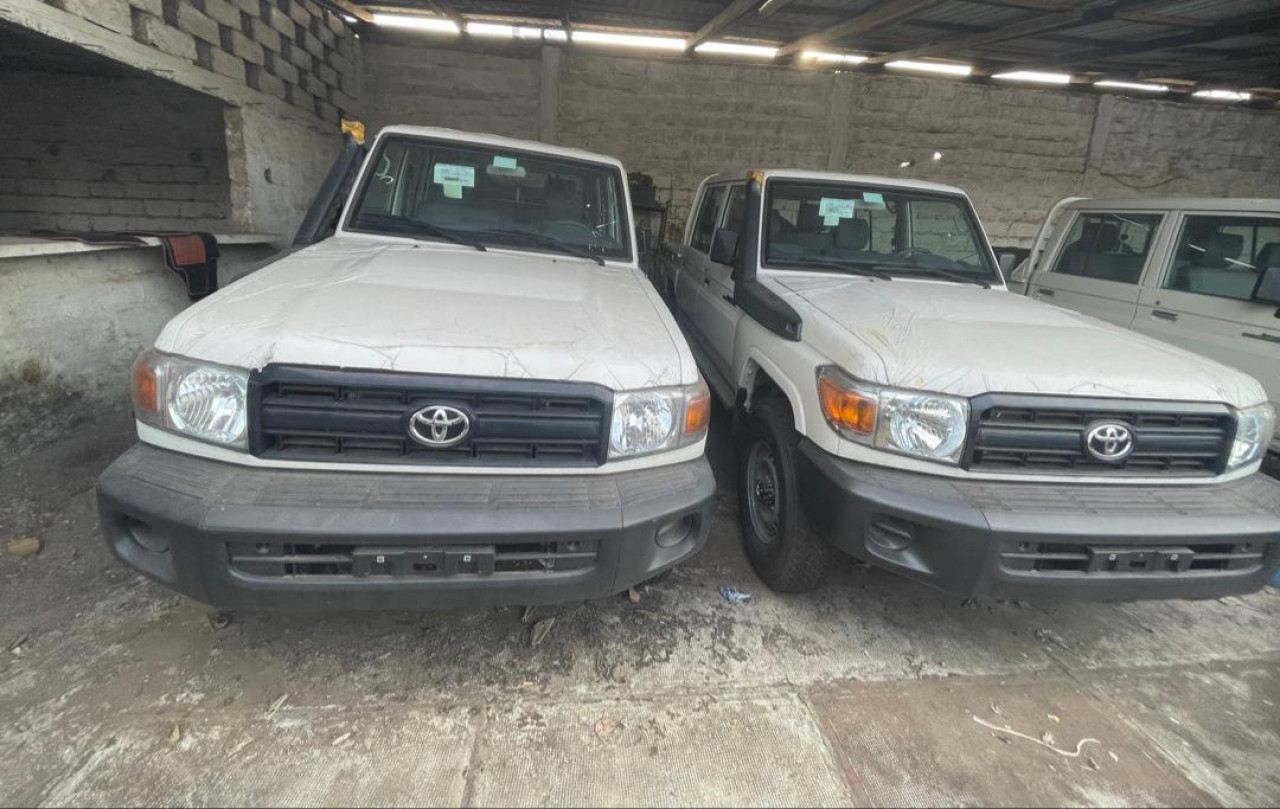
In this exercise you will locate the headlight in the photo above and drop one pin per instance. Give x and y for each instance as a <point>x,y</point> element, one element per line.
<point>1254,428</point>
<point>194,398</point>
<point>658,419</point>
<point>924,425</point>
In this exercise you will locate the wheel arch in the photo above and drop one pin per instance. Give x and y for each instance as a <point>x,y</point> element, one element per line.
<point>762,377</point>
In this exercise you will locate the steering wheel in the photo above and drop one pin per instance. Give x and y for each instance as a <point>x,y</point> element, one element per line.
<point>913,251</point>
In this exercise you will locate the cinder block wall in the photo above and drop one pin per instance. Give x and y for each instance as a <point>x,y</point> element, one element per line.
<point>1016,150</point>
<point>294,50</point>
<point>113,153</point>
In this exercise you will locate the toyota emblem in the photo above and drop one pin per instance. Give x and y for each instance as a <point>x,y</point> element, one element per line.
<point>1109,441</point>
<point>439,426</point>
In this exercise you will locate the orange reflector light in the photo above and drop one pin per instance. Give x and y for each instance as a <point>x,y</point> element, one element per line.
<point>845,409</point>
<point>697,413</point>
<point>144,386</point>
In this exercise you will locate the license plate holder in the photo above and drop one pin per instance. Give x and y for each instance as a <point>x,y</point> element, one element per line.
<point>1139,559</point>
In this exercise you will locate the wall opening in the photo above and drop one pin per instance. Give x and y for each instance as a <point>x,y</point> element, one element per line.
<point>90,144</point>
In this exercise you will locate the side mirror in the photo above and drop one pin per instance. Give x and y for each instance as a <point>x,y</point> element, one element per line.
<point>724,246</point>
<point>1007,262</point>
<point>1268,287</point>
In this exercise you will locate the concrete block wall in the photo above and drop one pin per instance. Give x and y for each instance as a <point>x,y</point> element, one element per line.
<point>1016,150</point>
<point>294,50</point>
<point>409,84</point>
<point>113,153</point>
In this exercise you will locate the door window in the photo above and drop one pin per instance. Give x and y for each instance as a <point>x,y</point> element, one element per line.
<point>1108,246</point>
<point>1223,256</point>
<point>735,217</point>
<point>705,226</point>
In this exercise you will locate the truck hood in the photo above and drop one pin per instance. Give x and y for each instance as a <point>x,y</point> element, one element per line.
<point>444,309</point>
<point>966,340</point>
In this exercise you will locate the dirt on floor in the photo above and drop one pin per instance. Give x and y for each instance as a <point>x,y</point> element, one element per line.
<point>870,691</point>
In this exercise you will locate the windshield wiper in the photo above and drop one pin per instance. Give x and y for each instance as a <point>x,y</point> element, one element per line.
<point>548,241</point>
<point>403,225</point>
<point>915,269</point>
<point>852,269</point>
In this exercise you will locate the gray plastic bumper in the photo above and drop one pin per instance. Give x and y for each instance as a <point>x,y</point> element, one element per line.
<point>1048,541</point>
<point>245,538</point>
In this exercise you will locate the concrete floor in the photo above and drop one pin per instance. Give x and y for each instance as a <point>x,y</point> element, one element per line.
<point>872,691</point>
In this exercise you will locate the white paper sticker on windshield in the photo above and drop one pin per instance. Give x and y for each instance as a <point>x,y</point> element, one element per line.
<point>452,190</point>
<point>872,199</point>
<point>449,173</point>
<point>833,210</point>
<point>500,162</point>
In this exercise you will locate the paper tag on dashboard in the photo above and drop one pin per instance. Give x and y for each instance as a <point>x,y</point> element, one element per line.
<point>833,210</point>
<point>462,176</point>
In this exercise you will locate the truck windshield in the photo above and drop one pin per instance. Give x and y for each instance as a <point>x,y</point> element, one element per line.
<point>474,194</point>
<point>894,231</point>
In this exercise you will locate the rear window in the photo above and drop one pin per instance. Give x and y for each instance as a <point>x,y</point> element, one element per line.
<point>1108,246</point>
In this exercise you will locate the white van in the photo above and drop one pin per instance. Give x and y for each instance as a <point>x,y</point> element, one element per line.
<point>1203,274</point>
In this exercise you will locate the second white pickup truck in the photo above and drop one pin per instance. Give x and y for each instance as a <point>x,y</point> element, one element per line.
<point>894,400</point>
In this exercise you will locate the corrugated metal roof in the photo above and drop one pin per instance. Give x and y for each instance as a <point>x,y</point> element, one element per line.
<point>1197,28</point>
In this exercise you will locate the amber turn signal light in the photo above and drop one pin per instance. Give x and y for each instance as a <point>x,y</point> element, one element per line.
<point>697,412</point>
<point>847,409</point>
<point>144,386</point>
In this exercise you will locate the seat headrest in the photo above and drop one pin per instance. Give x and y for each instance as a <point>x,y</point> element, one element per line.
<point>1222,246</point>
<point>1108,238</point>
<point>852,234</point>
<point>808,220</point>
<point>1268,255</point>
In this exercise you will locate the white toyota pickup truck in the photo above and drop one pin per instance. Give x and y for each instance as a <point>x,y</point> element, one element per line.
<point>467,394</point>
<point>895,401</point>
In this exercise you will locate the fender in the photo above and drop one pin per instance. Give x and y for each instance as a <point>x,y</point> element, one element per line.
<point>754,360</point>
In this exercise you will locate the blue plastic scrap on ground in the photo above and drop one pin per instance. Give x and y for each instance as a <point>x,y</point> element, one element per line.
<point>734,596</point>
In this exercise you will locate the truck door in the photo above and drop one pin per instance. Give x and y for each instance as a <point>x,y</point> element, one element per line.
<point>1201,298</point>
<point>717,314</point>
<point>695,256</point>
<point>1098,268</point>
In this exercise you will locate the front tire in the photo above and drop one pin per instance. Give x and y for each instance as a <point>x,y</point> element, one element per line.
<point>782,548</point>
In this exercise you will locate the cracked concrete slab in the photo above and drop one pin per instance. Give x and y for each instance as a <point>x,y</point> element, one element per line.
<point>1219,724</point>
<point>708,750</point>
<point>280,758</point>
<point>919,745</point>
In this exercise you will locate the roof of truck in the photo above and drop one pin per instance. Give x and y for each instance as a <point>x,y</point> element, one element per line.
<point>838,177</point>
<point>515,144</point>
<point>1238,204</point>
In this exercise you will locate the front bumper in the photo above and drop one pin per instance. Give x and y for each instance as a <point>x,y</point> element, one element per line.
<point>1048,541</point>
<point>283,540</point>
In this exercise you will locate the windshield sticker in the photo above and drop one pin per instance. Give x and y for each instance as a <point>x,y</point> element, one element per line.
<point>500,162</point>
<point>833,210</point>
<point>872,199</point>
<point>447,174</point>
<point>452,190</point>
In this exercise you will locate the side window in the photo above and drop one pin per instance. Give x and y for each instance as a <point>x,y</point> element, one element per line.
<point>735,217</point>
<point>1223,256</point>
<point>1108,246</point>
<point>705,226</point>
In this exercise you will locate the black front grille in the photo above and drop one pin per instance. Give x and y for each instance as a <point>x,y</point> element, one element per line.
<point>363,417</point>
<point>1047,435</point>
<point>291,560</point>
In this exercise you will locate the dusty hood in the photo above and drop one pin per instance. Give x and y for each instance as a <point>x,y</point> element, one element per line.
<point>362,303</point>
<point>966,340</point>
